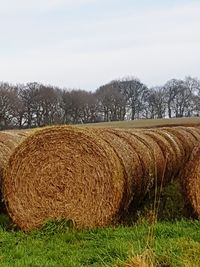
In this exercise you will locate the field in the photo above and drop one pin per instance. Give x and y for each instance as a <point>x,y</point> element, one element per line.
<point>173,241</point>
<point>148,123</point>
<point>173,244</point>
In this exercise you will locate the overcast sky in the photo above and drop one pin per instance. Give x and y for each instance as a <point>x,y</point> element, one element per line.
<point>87,43</point>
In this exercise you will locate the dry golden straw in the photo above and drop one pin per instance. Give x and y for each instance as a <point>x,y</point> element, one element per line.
<point>129,159</point>
<point>64,172</point>
<point>187,136</point>
<point>190,179</point>
<point>88,175</point>
<point>8,142</point>
<point>168,153</point>
<point>143,180</point>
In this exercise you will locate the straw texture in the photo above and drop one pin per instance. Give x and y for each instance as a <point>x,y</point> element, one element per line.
<point>129,159</point>
<point>190,180</point>
<point>64,172</point>
<point>8,142</point>
<point>91,176</point>
<point>143,181</point>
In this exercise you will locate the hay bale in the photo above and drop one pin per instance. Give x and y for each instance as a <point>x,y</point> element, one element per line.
<point>151,160</point>
<point>180,135</point>
<point>8,142</point>
<point>177,146</point>
<point>191,134</point>
<point>190,180</point>
<point>136,150</point>
<point>144,181</point>
<point>168,153</point>
<point>129,159</point>
<point>158,161</point>
<point>172,140</point>
<point>195,132</point>
<point>187,136</point>
<point>90,176</point>
<point>64,172</point>
<point>197,129</point>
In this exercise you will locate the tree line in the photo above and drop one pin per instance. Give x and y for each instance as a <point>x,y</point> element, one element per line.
<point>35,105</point>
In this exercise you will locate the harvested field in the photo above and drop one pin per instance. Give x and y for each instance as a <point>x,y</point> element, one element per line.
<point>149,123</point>
<point>190,180</point>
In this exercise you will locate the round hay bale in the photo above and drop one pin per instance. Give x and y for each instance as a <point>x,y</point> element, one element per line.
<point>175,148</point>
<point>194,131</point>
<point>168,153</point>
<point>158,161</point>
<point>190,180</point>
<point>190,135</point>
<point>146,162</point>
<point>143,182</point>
<point>64,172</point>
<point>129,160</point>
<point>187,137</point>
<point>8,142</point>
<point>180,135</point>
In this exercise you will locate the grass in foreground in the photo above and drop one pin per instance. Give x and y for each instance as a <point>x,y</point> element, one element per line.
<point>175,244</point>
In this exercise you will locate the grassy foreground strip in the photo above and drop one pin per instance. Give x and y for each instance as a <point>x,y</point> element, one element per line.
<point>57,244</point>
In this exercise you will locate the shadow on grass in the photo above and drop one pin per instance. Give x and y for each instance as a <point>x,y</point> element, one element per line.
<point>5,223</point>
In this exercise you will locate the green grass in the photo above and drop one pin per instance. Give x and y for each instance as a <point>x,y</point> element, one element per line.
<point>170,205</point>
<point>57,244</point>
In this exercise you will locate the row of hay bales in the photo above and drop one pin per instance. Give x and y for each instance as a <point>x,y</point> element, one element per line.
<point>88,175</point>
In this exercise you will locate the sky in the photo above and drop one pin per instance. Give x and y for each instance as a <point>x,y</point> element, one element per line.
<point>84,44</point>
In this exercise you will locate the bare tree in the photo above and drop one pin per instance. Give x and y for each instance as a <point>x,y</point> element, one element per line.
<point>134,92</point>
<point>79,106</point>
<point>111,101</point>
<point>193,101</point>
<point>28,95</point>
<point>171,90</point>
<point>35,105</point>
<point>47,105</point>
<point>8,96</point>
<point>155,103</point>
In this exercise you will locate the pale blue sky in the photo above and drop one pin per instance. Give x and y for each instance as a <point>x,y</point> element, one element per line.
<point>86,43</point>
